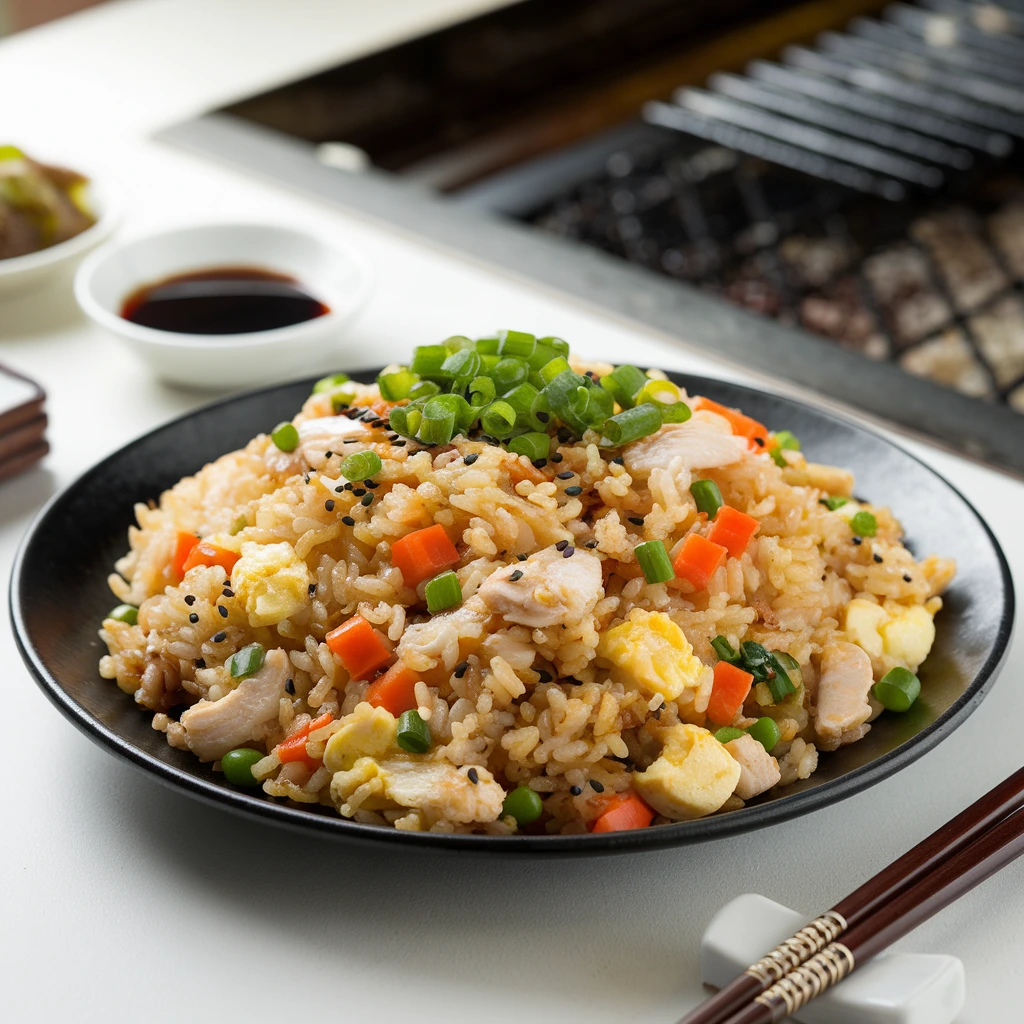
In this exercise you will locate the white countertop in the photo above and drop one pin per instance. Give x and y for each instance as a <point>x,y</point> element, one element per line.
<point>124,901</point>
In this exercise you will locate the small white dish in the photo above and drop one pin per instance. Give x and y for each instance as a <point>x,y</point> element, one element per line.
<point>332,272</point>
<point>21,274</point>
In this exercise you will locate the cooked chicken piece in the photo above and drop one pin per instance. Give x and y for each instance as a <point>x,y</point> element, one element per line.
<point>328,434</point>
<point>548,588</point>
<point>759,771</point>
<point>843,689</point>
<point>212,728</point>
<point>705,441</point>
<point>442,637</point>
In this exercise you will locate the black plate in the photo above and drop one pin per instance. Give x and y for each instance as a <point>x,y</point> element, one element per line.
<point>59,596</point>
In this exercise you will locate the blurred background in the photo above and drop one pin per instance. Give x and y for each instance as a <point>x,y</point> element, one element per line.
<point>16,15</point>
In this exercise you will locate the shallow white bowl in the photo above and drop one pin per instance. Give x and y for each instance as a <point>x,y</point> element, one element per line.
<point>333,273</point>
<point>21,274</point>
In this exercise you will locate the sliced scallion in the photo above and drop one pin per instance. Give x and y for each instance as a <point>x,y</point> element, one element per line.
<point>498,419</point>
<point>443,592</point>
<point>897,689</point>
<point>785,441</point>
<point>561,347</point>
<point>487,346</point>
<point>864,524</point>
<point>724,649</point>
<point>707,496</point>
<point>405,420</point>
<point>438,423</point>
<point>246,661</point>
<point>125,613</point>
<point>631,424</point>
<point>833,501</point>
<point>330,383</point>
<point>427,361</point>
<point>654,561</point>
<point>516,343</point>
<point>457,342</point>
<point>423,389</point>
<point>285,436</point>
<point>462,366</point>
<point>534,445</point>
<point>413,732</point>
<point>729,733</point>
<point>508,372</point>
<point>396,385</point>
<point>778,680</point>
<point>482,392</point>
<point>361,466</point>
<point>551,369</point>
<point>623,383</point>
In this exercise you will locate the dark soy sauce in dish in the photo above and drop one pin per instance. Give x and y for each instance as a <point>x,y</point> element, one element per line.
<point>222,300</point>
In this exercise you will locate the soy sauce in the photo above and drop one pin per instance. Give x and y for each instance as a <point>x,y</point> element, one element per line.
<point>222,300</point>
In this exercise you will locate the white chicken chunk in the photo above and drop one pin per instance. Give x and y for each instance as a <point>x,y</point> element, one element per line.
<point>328,434</point>
<point>442,637</point>
<point>212,728</point>
<point>549,589</point>
<point>843,690</point>
<point>705,441</point>
<point>759,771</point>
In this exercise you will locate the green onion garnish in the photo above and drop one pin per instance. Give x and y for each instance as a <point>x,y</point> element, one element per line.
<point>342,400</point>
<point>550,370</point>
<point>631,424</point>
<point>833,502</point>
<point>246,661</point>
<point>533,445</point>
<point>707,496</point>
<point>331,383</point>
<point>864,524</point>
<point>778,681</point>
<point>125,613</point>
<point>729,733</point>
<point>623,383</point>
<point>285,436</point>
<point>785,662</point>
<point>516,343</point>
<point>508,372</point>
<point>413,732</point>
<point>561,347</point>
<point>397,385</point>
<point>487,346</point>
<point>897,689</point>
<point>785,440</point>
<point>458,342</point>
<point>442,592</point>
<point>498,420</point>
<point>724,649</point>
<point>438,423</point>
<point>405,420</point>
<point>654,561</point>
<point>482,392</point>
<point>238,525</point>
<point>462,366</point>
<point>521,398</point>
<point>427,361</point>
<point>361,466</point>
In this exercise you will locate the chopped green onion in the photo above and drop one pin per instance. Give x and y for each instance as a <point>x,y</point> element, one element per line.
<point>785,440</point>
<point>707,496</point>
<point>438,423</point>
<point>125,613</point>
<point>778,681</point>
<point>462,365</point>
<point>508,372</point>
<point>246,661</point>
<point>631,424</point>
<point>654,561</point>
<point>285,436</point>
<point>864,524</point>
<point>897,689</point>
<point>766,732</point>
<point>487,346</point>
<point>238,525</point>
<point>342,400</point>
<point>675,412</point>
<point>516,343</point>
<point>523,804</point>
<point>405,420</point>
<point>427,361</point>
<point>755,659</point>
<point>561,347</point>
<point>550,370</point>
<point>424,389</point>
<point>542,355</point>
<point>396,385</point>
<point>667,398</point>
<point>361,466</point>
<point>534,445</point>
<point>724,649</point>
<point>600,405</point>
<point>413,732</point>
<point>833,502</point>
<point>482,392</point>
<point>457,343</point>
<point>623,383</point>
<point>498,420</point>
<point>442,592</point>
<point>521,398</point>
<point>728,734</point>
<point>331,383</point>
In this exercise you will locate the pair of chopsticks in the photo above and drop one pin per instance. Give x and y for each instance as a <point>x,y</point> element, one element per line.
<point>965,851</point>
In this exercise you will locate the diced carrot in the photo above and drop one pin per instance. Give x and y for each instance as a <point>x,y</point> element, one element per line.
<point>294,747</point>
<point>359,646</point>
<point>393,691</point>
<point>624,811</point>
<point>518,472</point>
<point>423,554</point>
<point>729,692</point>
<point>205,553</point>
<point>742,425</point>
<point>733,530</point>
<point>182,549</point>
<point>698,559</point>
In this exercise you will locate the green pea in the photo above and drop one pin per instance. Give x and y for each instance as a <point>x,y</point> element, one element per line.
<point>766,732</point>
<point>237,766</point>
<point>125,613</point>
<point>523,804</point>
<point>285,436</point>
<point>728,733</point>
<point>864,524</point>
<point>897,689</point>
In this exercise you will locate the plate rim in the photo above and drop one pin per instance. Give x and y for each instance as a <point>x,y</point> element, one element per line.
<point>257,806</point>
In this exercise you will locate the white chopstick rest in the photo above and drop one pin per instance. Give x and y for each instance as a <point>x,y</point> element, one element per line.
<point>894,988</point>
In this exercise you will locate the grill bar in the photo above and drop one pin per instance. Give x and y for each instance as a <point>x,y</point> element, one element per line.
<point>943,30</point>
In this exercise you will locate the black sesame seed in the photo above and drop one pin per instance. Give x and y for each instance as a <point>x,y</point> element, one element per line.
<point>339,488</point>
<point>596,786</point>
<point>228,593</point>
<point>523,557</point>
<point>877,557</point>
<point>348,520</point>
<point>907,579</point>
<point>470,459</point>
<point>573,491</point>
<point>561,545</point>
<point>329,504</point>
<point>539,463</point>
<point>289,687</point>
<point>312,589</point>
<point>858,541</point>
<point>219,637</point>
<point>557,457</point>
<point>759,441</point>
<point>223,611</point>
<point>591,544</point>
<point>359,491</point>
<point>200,663</point>
<point>328,455</point>
<point>567,475</point>
<point>516,576</point>
<point>193,618</point>
<point>569,552</point>
<point>190,599</point>
<point>575,790</point>
<point>564,435</point>
<point>349,486</point>
<point>366,500</point>
<point>398,444</point>
<point>372,484</point>
<point>461,669</point>
<point>392,437</point>
<point>620,461</point>
<point>637,520</point>
<point>473,775</point>
<point>545,677</point>
<point>542,416</point>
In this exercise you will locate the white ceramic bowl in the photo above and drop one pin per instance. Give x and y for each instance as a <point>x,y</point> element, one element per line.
<point>333,273</point>
<point>21,274</point>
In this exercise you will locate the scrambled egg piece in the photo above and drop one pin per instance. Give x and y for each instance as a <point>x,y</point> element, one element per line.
<point>906,635</point>
<point>367,732</point>
<point>694,775</point>
<point>651,652</point>
<point>272,581</point>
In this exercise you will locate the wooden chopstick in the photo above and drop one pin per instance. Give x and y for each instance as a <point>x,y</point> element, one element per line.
<point>989,853</point>
<point>859,906</point>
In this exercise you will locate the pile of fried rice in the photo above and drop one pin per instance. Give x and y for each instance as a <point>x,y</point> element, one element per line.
<point>562,669</point>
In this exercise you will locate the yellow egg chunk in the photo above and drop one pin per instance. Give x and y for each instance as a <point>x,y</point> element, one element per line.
<point>651,652</point>
<point>693,777</point>
<point>272,581</point>
<point>863,623</point>
<point>908,636</point>
<point>367,732</point>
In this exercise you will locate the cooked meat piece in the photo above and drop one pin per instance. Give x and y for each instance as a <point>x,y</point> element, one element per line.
<point>759,771</point>
<point>213,727</point>
<point>548,589</point>
<point>999,333</point>
<point>950,361</point>
<point>443,791</point>
<point>424,644</point>
<point>705,441</point>
<point>328,434</point>
<point>843,689</point>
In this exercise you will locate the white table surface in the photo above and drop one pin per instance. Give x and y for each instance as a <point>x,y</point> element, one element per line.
<point>124,901</point>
